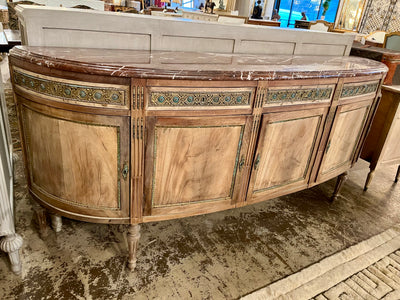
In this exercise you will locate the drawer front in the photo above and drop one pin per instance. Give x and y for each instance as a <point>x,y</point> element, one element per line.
<point>359,89</point>
<point>71,91</point>
<point>300,94</point>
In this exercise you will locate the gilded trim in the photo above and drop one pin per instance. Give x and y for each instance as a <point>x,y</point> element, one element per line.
<point>290,95</point>
<point>176,99</point>
<point>71,91</point>
<point>359,89</point>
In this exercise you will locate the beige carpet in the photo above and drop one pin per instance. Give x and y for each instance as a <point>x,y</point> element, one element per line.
<point>368,270</point>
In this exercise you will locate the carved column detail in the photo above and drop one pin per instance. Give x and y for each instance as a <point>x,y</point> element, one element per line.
<point>11,244</point>
<point>369,179</point>
<point>133,241</point>
<point>137,149</point>
<point>341,179</point>
<point>41,219</point>
<point>56,222</point>
<point>260,96</point>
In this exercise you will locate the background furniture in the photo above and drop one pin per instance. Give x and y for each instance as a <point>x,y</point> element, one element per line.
<point>321,25</point>
<point>44,26</point>
<point>392,41</point>
<point>10,241</point>
<point>382,146</point>
<point>389,57</point>
<point>375,38</point>
<point>94,4</point>
<point>232,20</point>
<point>115,136</point>
<point>199,16</point>
<point>4,16</point>
<point>302,24</point>
<point>8,39</point>
<point>263,22</point>
<point>165,14</point>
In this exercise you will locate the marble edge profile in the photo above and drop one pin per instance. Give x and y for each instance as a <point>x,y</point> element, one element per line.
<point>170,73</point>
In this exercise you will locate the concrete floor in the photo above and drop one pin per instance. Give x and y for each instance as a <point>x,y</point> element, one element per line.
<point>218,256</point>
<point>222,255</point>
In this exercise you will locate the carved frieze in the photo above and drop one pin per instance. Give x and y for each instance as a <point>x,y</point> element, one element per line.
<point>358,90</point>
<point>298,95</point>
<point>71,90</point>
<point>171,99</point>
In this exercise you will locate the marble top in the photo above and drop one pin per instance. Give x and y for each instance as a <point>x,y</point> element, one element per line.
<point>197,66</point>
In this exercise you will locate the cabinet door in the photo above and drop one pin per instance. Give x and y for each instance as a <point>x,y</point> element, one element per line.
<point>194,165</point>
<point>285,152</point>
<point>391,149</point>
<point>343,139</point>
<point>77,163</point>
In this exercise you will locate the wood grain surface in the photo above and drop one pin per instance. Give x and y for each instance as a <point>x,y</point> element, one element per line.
<point>344,138</point>
<point>285,152</point>
<point>195,161</point>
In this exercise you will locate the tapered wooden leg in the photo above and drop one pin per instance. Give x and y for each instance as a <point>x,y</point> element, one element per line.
<point>341,179</point>
<point>397,174</point>
<point>133,241</point>
<point>11,244</point>
<point>369,179</point>
<point>41,218</point>
<point>56,222</point>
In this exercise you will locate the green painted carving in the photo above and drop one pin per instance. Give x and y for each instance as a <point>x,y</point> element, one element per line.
<point>357,90</point>
<point>98,95</point>
<point>68,91</point>
<point>289,95</point>
<point>199,98</point>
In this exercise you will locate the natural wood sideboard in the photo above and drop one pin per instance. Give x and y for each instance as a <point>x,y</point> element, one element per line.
<point>118,136</point>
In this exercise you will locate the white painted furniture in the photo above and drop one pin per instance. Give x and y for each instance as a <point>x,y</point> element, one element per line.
<point>321,25</point>
<point>165,14</point>
<point>62,27</point>
<point>376,36</point>
<point>231,20</point>
<point>94,4</point>
<point>199,16</point>
<point>10,241</point>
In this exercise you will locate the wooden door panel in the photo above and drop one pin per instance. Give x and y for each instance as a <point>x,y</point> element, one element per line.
<point>285,152</point>
<point>392,146</point>
<point>343,140</point>
<point>193,161</point>
<point>76,161</point>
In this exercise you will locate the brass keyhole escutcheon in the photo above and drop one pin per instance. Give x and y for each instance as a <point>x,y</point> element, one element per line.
<point>241,163</point>
<point>257,161</point>
<point>125,171</point>
<point>328,146</point>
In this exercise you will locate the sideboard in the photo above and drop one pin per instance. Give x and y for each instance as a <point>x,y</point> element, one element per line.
<point>382,145</point>
<point>118,136</point>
